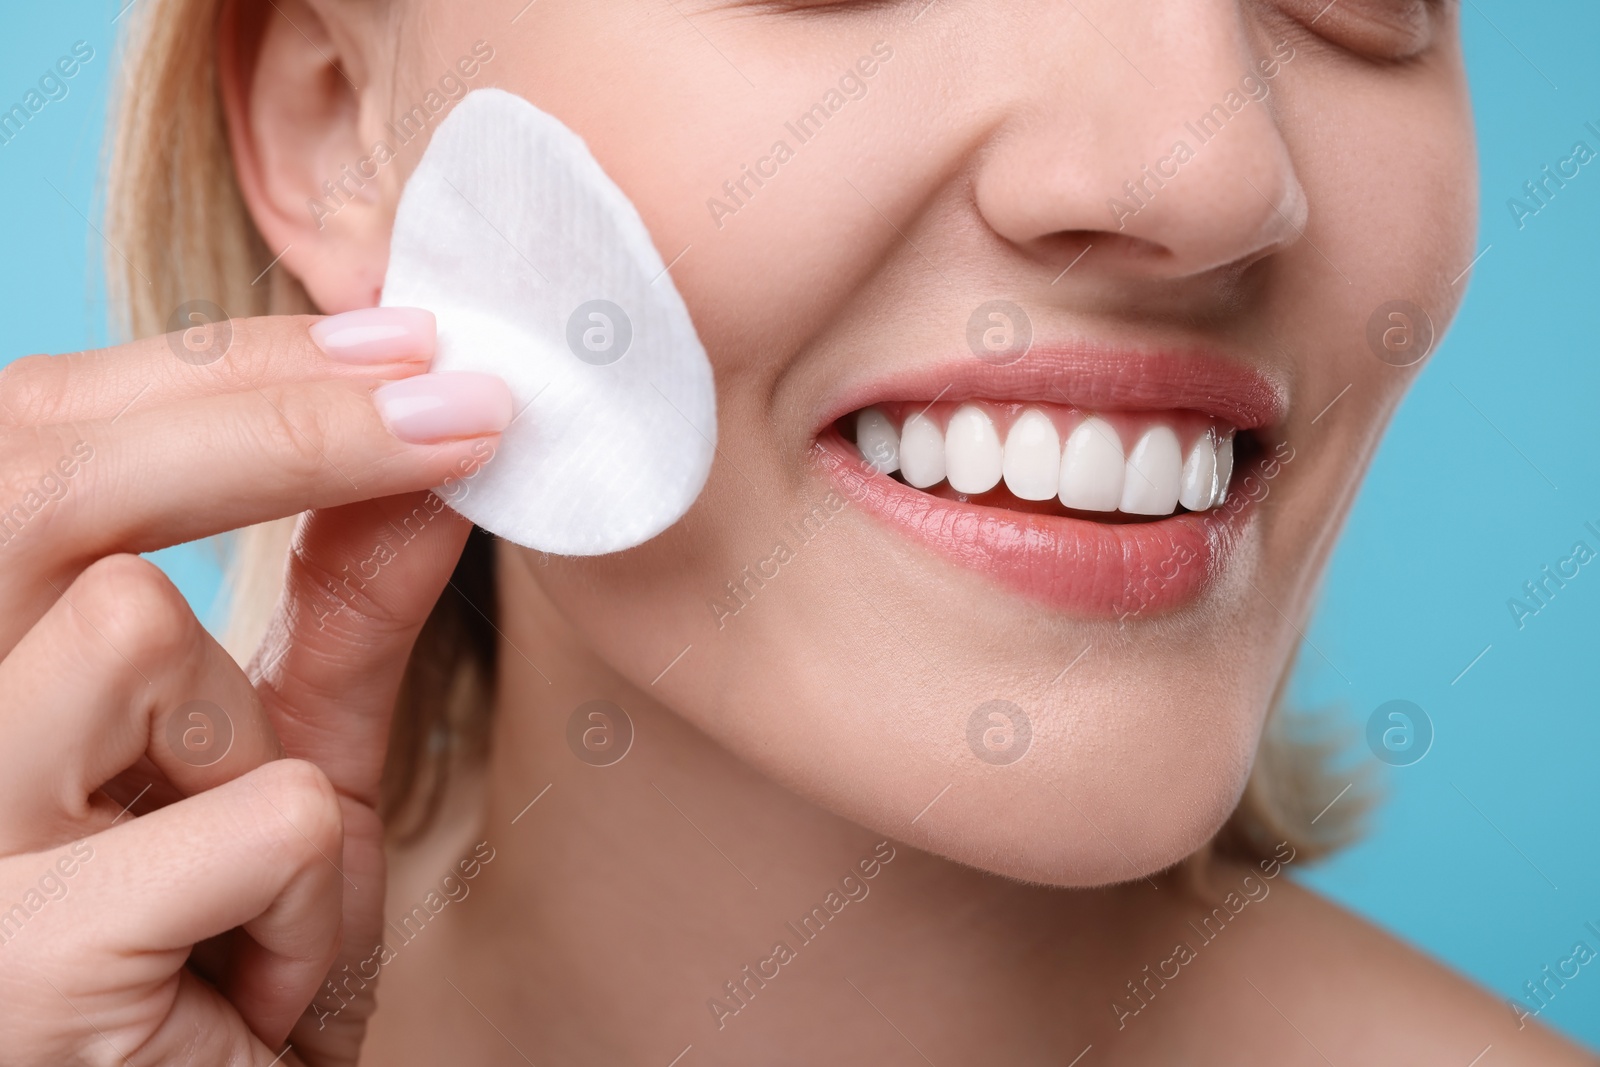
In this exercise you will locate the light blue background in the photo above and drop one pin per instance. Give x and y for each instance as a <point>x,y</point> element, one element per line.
<point>1485,854</point>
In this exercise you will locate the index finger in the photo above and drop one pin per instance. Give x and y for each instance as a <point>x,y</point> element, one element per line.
<point>215,355</point>
<point>193,469</point>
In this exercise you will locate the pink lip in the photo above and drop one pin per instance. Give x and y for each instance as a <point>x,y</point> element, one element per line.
<point>1092,377</point>
<point>1080,566</point>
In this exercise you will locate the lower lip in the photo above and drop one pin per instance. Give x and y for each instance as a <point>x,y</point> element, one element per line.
<point>1078,566</point>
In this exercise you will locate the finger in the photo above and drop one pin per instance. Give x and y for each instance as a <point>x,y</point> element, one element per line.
<point>361,582</point>
<point>204,1030</point>
<point>198,468</point>
<point>252,853</point>
<point>213,358</point>
<point>197,1025</point>
<point>118,668</point>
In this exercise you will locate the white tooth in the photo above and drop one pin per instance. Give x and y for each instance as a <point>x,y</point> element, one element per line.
<point>921,452</point>
<point>972,452</point>
<point>1154,467</point>
<point>1092,467</point>
<point>1198,485</point>
<point>877,441</point>
<point>1033,457</point>
<point>1224,469</point>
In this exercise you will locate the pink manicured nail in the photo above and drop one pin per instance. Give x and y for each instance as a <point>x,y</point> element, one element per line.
<point>377,335</point>
<point>444,406</point>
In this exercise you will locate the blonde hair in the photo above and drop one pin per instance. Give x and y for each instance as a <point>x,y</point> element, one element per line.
<point>181,231</point>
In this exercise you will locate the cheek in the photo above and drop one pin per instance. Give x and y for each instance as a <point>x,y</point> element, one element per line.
<point>727,174</point>
<point>1389,163</point>
<point>1421,221</point>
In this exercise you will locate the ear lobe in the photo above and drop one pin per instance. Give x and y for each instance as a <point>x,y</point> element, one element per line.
<point>291,94</point>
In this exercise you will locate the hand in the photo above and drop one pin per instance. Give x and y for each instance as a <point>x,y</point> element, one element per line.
<point>192,919</point>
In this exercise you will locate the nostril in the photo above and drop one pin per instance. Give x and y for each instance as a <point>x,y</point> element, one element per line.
<point>1070,251</point>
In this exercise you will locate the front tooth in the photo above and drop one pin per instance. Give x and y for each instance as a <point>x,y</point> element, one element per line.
<point>1224,469</point>
<point>1198,487</point>
<point>877,441</point>
<point>921,452</point>
<point>1154,468</point>
<point>1092,467</point>
<point>1033,457</point>
<point>972,454</point>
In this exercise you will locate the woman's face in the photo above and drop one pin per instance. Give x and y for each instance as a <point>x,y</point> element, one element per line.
<point>1189,219</point>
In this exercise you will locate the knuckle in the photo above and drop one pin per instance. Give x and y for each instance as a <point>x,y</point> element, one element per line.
<point>263,347</point>
<point>294,427</point>
<point>345,596</point>
<point>31,390</point>
<point>132,606</point>
<point>304,814</point>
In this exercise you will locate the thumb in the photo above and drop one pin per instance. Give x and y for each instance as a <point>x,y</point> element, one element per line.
<point>361,581</point>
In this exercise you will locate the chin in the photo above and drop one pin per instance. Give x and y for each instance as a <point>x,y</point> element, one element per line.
<point>1107,805</point>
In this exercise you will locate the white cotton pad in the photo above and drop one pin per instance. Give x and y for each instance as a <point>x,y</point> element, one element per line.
<point>541,271</point>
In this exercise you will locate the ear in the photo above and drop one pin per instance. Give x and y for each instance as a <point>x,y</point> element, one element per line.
<point>294,91</point>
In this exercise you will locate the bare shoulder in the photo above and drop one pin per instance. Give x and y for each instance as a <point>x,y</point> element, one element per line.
<point>1340,989</point>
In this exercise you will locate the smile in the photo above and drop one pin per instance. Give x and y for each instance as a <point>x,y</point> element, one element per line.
<point>1104,484</point>
<point>1133,463</point>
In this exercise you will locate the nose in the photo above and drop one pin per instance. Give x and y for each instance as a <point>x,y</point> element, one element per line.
<point>1154,139</point>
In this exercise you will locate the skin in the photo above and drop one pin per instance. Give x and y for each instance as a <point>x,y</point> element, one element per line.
<point>780,751</point>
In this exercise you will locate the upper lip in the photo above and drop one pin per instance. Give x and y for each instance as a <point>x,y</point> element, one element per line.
<point>1089,376</point>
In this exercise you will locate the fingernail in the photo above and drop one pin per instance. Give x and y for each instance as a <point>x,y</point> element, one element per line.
<point>444,406</point>
<point>377,335</point>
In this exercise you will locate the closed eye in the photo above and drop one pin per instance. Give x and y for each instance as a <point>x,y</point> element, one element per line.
<point>1379,29</point>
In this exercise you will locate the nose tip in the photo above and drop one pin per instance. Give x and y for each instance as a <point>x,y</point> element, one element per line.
<point>1227,206</point>
<point>1190,178</point>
